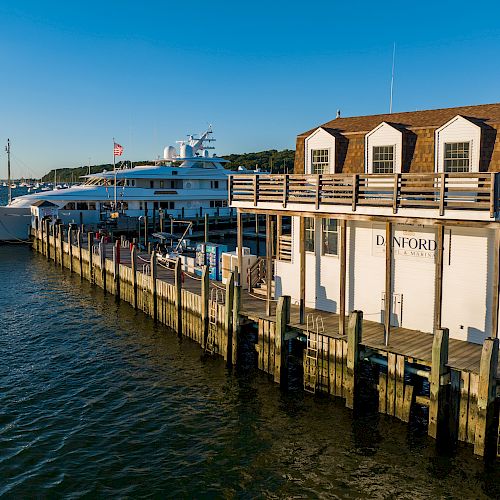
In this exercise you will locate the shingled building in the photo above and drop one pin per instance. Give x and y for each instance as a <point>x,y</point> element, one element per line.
<point>463,139</point>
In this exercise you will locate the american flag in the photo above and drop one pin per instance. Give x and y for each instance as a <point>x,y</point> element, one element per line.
<point>117,149</point>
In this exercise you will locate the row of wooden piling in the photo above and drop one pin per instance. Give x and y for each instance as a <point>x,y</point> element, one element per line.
<point>461,405</point>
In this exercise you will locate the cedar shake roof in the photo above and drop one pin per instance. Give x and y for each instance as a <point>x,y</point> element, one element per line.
<point>480,114</point>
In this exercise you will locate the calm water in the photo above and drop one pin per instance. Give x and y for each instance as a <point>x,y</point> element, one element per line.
<point>96,400</point>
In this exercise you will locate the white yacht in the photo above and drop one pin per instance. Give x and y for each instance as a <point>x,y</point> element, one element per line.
<point>184,184</point>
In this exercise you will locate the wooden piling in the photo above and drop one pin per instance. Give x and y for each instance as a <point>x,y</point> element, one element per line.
<point>280,342</point>
<point>90,244</point>
<point>70,249</point>
<point>236,317</point>
<point>206,228</point>
<point>178,296</point>
<point>133,264</point>
<point>154,293</point>
<point>354,332</point>
<point>80,257</point>
<point>205,297</point>
<point>437,400</point>
<point>60,234</point>
<point>228,320</point>
<point>116,269</point>
<point>102,263</point>
<point>486,437</point>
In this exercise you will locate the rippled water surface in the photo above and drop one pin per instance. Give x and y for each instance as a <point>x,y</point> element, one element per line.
<point>96,400</point>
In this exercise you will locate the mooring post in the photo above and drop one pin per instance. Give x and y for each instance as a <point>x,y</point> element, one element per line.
<point>60,234</point>
<point>116,268</point>
<point>133,264</point>
<point>205,296</point>
<point>228,320</point>
<point>42,237</point>
<point>437,399</point>
<point>280,342</point>
<point>154,276</point>
<point>70,248</point>
<point>206,227</point>
<point>54,241</point>
<point>236,315</point>
<point>102,262</point>
<point>178,295</point>
<point>354,332</point>
<point>90,244</point>
<point>486,435</point>
<point>47,239</point>
<point>79,243</point>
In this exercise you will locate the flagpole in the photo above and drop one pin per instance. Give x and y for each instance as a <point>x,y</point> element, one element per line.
<point>114,171</point>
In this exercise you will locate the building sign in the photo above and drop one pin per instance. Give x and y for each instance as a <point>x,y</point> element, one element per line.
<point>410,242</point>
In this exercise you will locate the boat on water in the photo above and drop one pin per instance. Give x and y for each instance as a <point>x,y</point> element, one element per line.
<point>187,182</point>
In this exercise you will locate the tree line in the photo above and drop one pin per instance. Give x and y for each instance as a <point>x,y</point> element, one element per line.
<point>270,161</point>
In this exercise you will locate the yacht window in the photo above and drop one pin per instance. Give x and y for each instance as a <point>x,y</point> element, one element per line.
<point>155,205</point>
<point>174,172</point>
<point>172,184</point>
<point>151,184</point>
<point>123,205</point>
<point>81,205</point>
<point>141,205</point>
<point>162,184</point>
<point>214,184</point>
<point>91,205</point>
<point>218,203</point>
<point>70,206</point>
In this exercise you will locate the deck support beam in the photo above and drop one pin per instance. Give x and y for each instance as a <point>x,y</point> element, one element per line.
<point>354,332</point>
<point>438,281</point>
<point>239,227</point>
<point>343,256</point>
<point>496,285</point>
<point>269,265</point>
<point>302,264</point>
<point>388,282</point>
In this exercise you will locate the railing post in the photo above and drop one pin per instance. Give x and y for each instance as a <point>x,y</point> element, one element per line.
<point>355,186</point>
<point>285,189</point>
<point>318,190</point>
<point>255,190</point>
<point>395,194</point>
<point>230,187</point>
<point>493,194</point>
<point>442,191</point>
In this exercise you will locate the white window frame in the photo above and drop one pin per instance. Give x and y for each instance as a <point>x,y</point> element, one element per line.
<point>469,155</point>
<point>393,160</point>
<point>312,236</point>
<point>325,164</point>
<point>325,232</point>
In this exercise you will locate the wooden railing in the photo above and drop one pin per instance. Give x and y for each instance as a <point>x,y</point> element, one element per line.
<point>441,191</point>
<point>256,273</point>
<point>285,248</point>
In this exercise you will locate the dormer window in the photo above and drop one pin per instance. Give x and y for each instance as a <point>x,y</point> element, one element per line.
<point>457,157</point>
<point>320,161</point>
<point>384,150</point>
<point>458,144</point>
<point>383,160</point>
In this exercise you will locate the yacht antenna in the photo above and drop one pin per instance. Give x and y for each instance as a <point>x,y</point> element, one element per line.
<point>7,148</point>
<point>89,165</point>
<point>392,76</point>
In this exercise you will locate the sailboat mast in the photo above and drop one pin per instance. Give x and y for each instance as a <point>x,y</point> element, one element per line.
<point>8,170</point>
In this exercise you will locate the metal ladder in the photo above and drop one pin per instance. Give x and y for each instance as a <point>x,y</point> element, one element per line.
<point>146,269</point>
<point>315,327</point>
<point>216,298</point>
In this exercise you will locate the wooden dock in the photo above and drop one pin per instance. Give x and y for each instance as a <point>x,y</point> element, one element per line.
<point>455,381</point>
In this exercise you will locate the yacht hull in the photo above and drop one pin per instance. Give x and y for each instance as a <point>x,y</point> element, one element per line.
<point>14,223</point>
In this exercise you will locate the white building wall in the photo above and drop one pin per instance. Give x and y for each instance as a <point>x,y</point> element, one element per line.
<point>458,129</point>
<point>467,266</point>
<point>384,135</point>
<point>320,139</point>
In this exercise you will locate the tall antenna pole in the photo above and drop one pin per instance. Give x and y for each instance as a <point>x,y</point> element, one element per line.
<point>89,165</point>
<point>7,148</point>
<point>392,76</point>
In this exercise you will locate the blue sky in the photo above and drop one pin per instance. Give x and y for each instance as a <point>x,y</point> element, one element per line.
<point>75,74</point>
